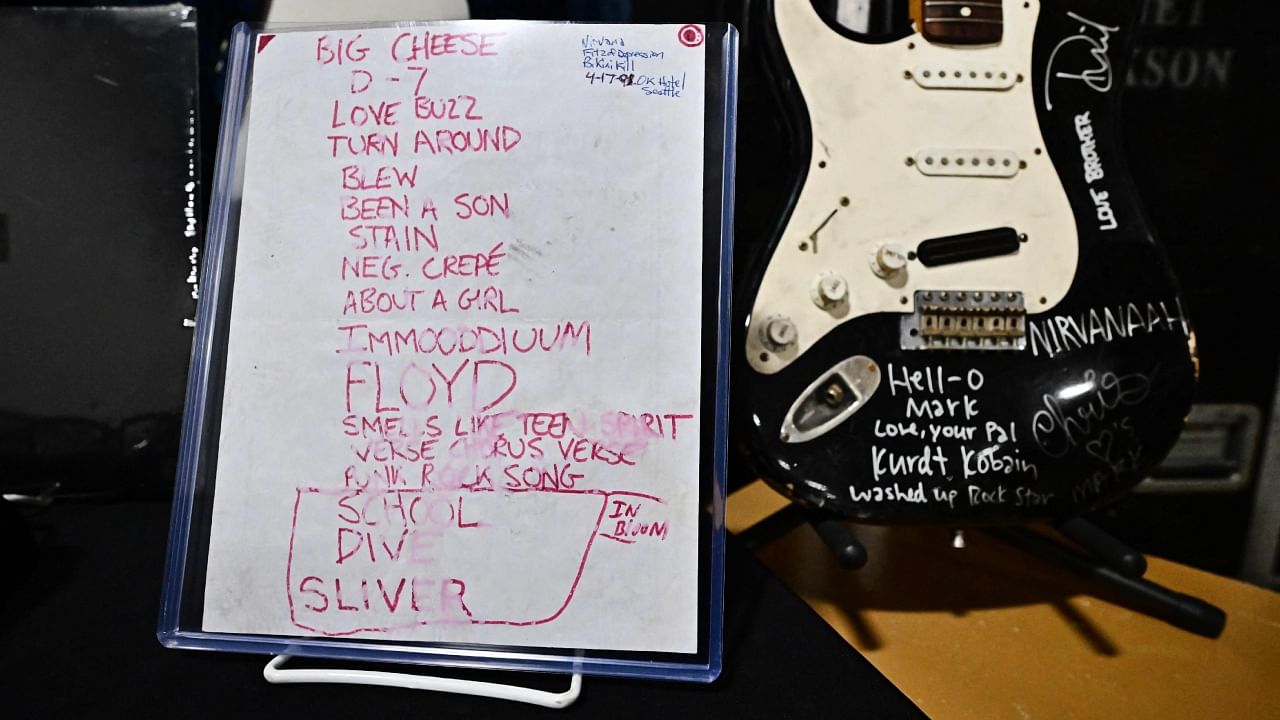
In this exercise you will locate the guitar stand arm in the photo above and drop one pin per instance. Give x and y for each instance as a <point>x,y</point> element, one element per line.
<point>1112,562</point>
<point>837,536</point>
<point>1183,611</point>
<point>1107,547</point>
<point>834,531</point>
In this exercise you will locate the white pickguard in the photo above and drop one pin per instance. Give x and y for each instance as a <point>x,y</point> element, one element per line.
<point>868,117</point>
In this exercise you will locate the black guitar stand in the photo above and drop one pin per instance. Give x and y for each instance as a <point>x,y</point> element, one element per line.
<point>1104,558</point>
<point>1121,568</point>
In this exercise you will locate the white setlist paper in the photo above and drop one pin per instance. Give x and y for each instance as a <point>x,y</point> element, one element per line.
<point>462,387</point>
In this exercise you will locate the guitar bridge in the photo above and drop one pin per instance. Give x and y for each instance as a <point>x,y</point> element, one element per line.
<point>965,320</point>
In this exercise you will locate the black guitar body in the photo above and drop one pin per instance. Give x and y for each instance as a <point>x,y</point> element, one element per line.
<point>962,437</point>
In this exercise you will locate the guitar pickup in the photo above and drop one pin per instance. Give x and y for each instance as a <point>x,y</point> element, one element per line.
<point>958,76</point>
<point>965,320</point>
<point>964,247</point>
<point>952,162</point>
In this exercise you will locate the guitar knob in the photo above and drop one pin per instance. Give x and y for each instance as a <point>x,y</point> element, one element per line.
<point>778,333</point>
<point>829,290</point>
<point>888,259</point>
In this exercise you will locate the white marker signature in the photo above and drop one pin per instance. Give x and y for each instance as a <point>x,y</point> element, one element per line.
<point>1098,78</point>
<point>1057,430</point>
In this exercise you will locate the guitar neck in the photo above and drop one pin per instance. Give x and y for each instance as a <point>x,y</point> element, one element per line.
<point>959,22</point>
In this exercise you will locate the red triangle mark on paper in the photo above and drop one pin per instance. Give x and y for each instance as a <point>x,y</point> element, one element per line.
<point>263,40</point>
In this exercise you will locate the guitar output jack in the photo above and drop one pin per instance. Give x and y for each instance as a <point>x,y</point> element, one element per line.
<point>830,399</point>
<point>833,395</point>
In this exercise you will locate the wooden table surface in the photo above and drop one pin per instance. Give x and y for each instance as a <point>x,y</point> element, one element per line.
<point>990,632</point>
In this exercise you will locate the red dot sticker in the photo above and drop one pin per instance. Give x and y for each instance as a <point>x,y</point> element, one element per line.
<point>690,36</point>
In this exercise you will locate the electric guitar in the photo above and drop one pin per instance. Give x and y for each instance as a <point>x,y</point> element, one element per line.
<point>962,318</point>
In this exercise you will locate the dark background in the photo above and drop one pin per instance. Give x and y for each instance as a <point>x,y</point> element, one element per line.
<point>1200,106</point>
<point>105,304</point>
<point>104,307</point>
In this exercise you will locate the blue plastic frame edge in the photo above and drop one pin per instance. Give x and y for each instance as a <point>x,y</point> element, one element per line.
<point>202,348</point>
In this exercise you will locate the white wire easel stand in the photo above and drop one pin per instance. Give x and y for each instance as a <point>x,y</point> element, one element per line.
<point>273,673</point>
